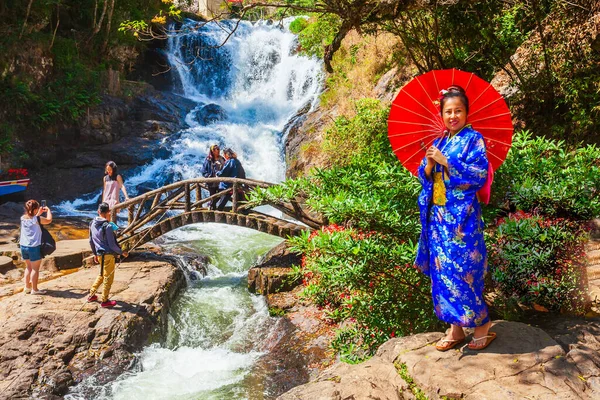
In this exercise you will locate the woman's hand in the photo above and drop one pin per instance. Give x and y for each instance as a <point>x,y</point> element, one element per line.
<point>433,154</point>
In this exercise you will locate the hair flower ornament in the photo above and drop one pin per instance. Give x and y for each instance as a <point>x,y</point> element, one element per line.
<point>438,101</point>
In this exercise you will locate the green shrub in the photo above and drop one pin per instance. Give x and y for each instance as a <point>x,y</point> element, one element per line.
<point>362,136</point>
<point>365,280</point>
<point>319,32</point>
<point>551,178</point>
<point>298,25</point>
<point>538,260</point>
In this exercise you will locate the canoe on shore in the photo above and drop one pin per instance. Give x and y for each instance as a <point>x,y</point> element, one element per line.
<point>13,189</point>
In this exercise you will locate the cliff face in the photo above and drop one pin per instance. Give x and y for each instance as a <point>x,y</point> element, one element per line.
<point>363,68</point>
<point>128,130</point>
<point>66,158</point>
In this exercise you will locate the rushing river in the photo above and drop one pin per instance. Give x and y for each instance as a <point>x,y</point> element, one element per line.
<point>217,330</point>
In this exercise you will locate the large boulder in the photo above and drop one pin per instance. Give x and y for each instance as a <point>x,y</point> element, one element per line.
<point>373,379</point>
<point>273,273</point>
<point>49,342</point>
<point>210,114</point>
<point>524,362</point>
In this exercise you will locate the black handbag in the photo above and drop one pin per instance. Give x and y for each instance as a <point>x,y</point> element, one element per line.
<point>48,242</point>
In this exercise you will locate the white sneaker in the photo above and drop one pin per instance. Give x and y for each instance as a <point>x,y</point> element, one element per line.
<point>27,290</point>
<point>38,291</point>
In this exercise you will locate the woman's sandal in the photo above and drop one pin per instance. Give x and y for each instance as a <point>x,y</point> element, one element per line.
<point>447,344</point>
<point>488,339</point>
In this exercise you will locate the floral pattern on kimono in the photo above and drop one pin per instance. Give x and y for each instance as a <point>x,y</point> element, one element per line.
<point>451,247</point>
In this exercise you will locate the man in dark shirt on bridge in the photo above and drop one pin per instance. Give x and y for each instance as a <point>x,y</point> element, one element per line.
<point>232,169</point>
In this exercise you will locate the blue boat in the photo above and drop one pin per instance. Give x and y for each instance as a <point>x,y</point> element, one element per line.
<point>13,189</point>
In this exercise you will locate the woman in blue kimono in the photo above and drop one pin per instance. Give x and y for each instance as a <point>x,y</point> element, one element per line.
<point>451,247</point>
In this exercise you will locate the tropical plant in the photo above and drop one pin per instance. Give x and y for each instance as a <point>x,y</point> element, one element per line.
<point>539,261</point>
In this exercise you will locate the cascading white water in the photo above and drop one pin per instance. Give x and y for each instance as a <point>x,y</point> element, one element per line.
<point>216,328</point>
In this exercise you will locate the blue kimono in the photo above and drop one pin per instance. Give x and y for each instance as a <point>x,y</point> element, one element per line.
<point>451,248</point>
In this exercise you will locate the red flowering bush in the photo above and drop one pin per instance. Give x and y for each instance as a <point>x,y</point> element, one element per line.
<point>14,173</point>
<point>365,281</point>
<point>539,260</point>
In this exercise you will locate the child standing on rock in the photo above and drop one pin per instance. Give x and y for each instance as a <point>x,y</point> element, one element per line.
<point>104,245</point>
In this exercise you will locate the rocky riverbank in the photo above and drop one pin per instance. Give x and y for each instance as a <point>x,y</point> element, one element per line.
<point>50,342</point>
<point>305,335</point>
<point>524,362</point>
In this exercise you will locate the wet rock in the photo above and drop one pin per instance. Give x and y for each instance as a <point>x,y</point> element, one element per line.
<point>298,349</point>
<point>274,274</point>
<point>266,280</point>
<point>303,142</point>
<point>296,120</point>
<point>50,341</point>
<point>209,114</point>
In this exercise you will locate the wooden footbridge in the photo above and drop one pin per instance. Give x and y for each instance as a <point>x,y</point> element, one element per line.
<point>162,210</point>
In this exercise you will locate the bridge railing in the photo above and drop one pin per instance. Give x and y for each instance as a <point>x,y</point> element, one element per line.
<point>184,195</point>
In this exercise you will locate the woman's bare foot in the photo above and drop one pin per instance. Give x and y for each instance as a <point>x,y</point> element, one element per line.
<point>479,337</point>
<point>454,337</point>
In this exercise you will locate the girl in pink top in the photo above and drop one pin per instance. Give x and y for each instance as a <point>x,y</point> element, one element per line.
<point>113,183</point>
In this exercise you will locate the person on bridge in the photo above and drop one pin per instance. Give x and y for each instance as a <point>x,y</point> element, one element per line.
<point>232,169</point>
<point>112,185</point>
<point>213,164</point>
<point>30,242</point>
<point>104,244</point>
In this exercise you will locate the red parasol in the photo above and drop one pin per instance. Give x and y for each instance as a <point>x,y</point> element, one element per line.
<point>415,120</point>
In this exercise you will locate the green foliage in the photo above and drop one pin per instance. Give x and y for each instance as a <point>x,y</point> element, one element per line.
<point>403,372</point>
<point>473,36</point>
<point>537,260</point>
<point>367,187</point>
<point>363,136</point>
<point>319,32</point>
<point>560,92</point>
<point>63,30</point>
<point>550,177</point>
<point>64,99</point>
<point>361,273</point>
<point>6,137</point>
<point>298,25</point>
<point>367,280</point>
<point>276,312</point>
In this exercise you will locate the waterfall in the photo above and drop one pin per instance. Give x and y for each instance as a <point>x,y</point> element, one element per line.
<point>246,89</point>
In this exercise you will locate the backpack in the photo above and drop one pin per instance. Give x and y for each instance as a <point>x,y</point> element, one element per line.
<point>48,242</point>
<point>103,228</point>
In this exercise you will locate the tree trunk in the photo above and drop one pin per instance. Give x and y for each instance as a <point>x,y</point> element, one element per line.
<point>335,45</point>
<point>26,18</point>
<point>95,12</point>
<point>98,26</point>
<point>57,24</point>
<point>108,25</point>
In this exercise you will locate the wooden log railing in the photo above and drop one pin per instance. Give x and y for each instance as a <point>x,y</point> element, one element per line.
<point>186,196</point>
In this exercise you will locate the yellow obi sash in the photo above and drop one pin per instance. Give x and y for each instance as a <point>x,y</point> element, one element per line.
<point>439,189</point>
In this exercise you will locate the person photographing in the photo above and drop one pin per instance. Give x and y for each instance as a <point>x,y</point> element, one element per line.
<point>31,242</point>
<point>103,242</point>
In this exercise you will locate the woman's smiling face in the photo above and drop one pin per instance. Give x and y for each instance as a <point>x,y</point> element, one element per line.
<point>454,114</point>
